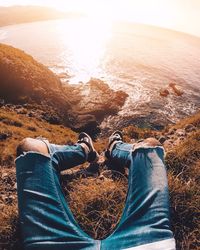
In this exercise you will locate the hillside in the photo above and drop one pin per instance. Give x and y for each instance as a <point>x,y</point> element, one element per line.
<point>24,14</point>
<point>33,102</point>
<point>108,196</point>
<point>26,82</point>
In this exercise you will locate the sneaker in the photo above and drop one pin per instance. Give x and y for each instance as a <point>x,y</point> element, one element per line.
<point>113,140</point>
<point>86,142</point>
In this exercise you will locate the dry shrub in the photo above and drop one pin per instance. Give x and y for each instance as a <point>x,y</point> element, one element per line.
<point>9,231</point>
<point>194,120</point>
<point>9,125</point>
<point>55,133</point>
<point>185,200</point>
<point>133,132</point>
<point>182,158</point>
<point>183,163</point>
<point>97,203</point>
<point>8,210</point>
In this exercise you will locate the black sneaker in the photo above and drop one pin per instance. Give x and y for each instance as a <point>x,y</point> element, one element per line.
<point>113,139</point>
<point>86,140</point>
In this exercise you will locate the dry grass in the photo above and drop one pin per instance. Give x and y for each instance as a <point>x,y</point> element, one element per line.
<point>8,208</point>
<point>29,127</point>
<point>183,163</point>
<point>15,127</point>
<point>185,200</point>
<point>195,120</point>
<point>97,202</point>
<point>138,133</point>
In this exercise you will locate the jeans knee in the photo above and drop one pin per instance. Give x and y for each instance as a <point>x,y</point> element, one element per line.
<point>23,146</point>
<point>30,144</point>
<point>152,142</point>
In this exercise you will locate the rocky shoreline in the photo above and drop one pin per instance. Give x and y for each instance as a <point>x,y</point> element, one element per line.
<point>33,100</point>
<point>32,89</point>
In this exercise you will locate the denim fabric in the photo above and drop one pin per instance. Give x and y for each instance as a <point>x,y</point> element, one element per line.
<point>47,222</point>
<point>145,218</point>
<point>45,219</point>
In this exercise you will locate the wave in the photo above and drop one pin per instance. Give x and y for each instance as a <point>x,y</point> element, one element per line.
<point>3,34</point>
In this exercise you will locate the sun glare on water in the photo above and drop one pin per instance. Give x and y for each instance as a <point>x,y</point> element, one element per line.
<point>85,41</point>
<point>87,37</point>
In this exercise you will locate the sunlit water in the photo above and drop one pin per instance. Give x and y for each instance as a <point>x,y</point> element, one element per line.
<point>139,60</point>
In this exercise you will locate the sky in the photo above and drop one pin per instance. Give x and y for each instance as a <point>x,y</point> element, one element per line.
<point>181,15</point>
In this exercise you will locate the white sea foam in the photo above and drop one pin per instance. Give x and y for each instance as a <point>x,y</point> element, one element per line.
<point>3,35</point>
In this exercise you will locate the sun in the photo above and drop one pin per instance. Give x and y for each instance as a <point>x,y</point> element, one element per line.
<point>172,14</point>
<point>153,12</point>
<point>87,40</point>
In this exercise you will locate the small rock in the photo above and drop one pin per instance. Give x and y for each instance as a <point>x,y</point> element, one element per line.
<point>9,199</point>
<point>4,136</point>
<point>179,141</point>
<point>22,111</point>
<point>172,131</point>
<point>164,92</point>
<point>15,186</point>
<point>180,132</point>
<point>32,128</point>
<point>162,139</point>
<point>177,90</point>
<point>157,136</point>
<point>167,144</point>
<point>190,128</point>
<point>4,175</point>
<point>31,114</point>
<point>18,106</point>
<point>169,137</point>
<point>3,197</point>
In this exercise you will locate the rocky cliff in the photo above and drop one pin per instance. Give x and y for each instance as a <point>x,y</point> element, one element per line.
<point>25,82</point>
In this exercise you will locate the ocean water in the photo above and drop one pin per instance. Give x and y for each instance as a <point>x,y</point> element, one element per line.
<point>138,59</point>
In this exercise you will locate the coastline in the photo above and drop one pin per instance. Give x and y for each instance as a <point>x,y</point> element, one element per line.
<point>34,102</point>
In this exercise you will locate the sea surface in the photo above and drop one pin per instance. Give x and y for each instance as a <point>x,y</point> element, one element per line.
<point>138,59</point>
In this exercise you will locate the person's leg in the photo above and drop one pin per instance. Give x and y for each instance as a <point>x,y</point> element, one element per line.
<point>30,144</point>
<point>62,154</point>
<point>145,218</point>
<point>45,219</point>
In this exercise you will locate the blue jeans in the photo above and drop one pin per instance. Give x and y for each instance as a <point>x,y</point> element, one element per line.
<point>47,223</point>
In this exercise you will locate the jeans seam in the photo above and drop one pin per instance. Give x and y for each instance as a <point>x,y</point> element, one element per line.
<point>136,148</point>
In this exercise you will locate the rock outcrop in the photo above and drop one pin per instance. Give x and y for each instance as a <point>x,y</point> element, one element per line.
<point>25,82</point>
<point>174,136</point>
<point>172,88</point>
<point>96,99</point>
